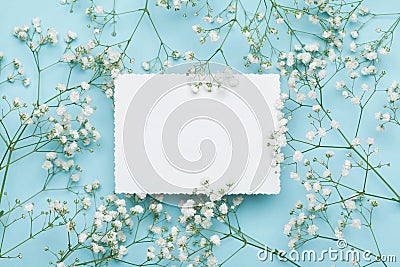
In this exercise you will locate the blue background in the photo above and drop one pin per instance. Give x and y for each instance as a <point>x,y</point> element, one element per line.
<point>262,217</point>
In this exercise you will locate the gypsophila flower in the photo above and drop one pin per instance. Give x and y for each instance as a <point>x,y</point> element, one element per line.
<point>70,37</point>
<point>350,204</point>
<point>212,261</point>
<point>75,177</point>
<point>335,124</point>
<point>47,165</point>
<point>214,36</point>
<point>356,223</point>
<point>214,239</point>
<point>297,156</point>
<point>370,141</point>
<point>74,96</point>
<point>294,175</point>
<point>223,208</point>
<point>312,229</point>
<point>70,226</point>
<point>146,65</point>
<point>61,87</point>
<point>29,207</point>
<point>82,237</point>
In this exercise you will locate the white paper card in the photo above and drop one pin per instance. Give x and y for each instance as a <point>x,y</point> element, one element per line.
<point>173,133</point>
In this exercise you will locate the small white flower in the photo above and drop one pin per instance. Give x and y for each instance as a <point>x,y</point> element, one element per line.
<point>356,142</point>
<point>363,10</point>
<point>70,37</point>
<point>326,173</point>
<point>17,102</point>
<point>51,155</point>
<point>86,203</point>
<point>326,191</point>
<point>308,186</point>
<point>322,132</point>
<point>371,55</point>
<point>96,135</point>
<point>287,229</point>
<point>28,207</point>
<point>329,154</point>
<point>353,47</point>
<point>317,187</point>
<point>70,226</point>
<point>61,87</point>
<point>99,10</point>
<point>214,36</point>
<point>97,248</point>
<point>355,100</point>
<point>312,229</point>
<point>294,175</point>
<point>354,17</point>
<point>381,50</point>
<point>197,29</point>
<point>335,124</point>
<point>189,55</point>
<point>326,34</point>
<point>356,223</point>
<point>212,261</point>
<point>253,58</point>
<point>26,82</point>
<point>310,135</point>
<point>237,200</point>
<point>215,240</point>
<point>109,93</point>
<point>87,110</point>
<point>316,108</point>
<point>354,34</point>
<point>350,204</point>
<point>339,85</point>
<point>82,237</point>
<point>146,65</point>
<point>370,141</point>
<point>312,94</point>
<point>297,156</point>
<point>74,96</point>
<point>75,177</point>
<point>137,209</point>
<point>85,86</point>
<point>52,36</point>
<point>61,110</point>
<point>313,19</point>
<point>223,209</point>
<point>47,165</point>
<point>386,117</point>
<point>122,251</point>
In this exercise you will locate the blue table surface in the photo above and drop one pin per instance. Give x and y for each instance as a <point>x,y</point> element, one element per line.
<point>261,216</point>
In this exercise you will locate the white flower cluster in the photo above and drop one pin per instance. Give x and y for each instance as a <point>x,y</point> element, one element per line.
<point>106,236</point>
<point>16,73</point>
<point>390,116</point>
<point>178,242</point>
<point>73,132</point>
<point>26,34</point>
